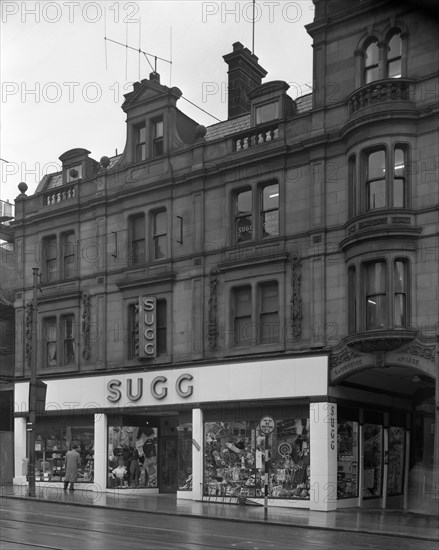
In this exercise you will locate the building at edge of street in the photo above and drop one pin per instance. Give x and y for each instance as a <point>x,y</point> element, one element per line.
<point>280,265</point>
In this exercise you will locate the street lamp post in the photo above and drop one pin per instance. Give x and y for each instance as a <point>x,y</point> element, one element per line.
<point>33,388</point>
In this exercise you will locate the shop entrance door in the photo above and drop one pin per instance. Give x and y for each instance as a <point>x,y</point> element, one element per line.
<point>168,464</point>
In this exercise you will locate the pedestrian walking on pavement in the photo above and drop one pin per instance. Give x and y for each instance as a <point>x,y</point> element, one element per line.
<point>73,461</point>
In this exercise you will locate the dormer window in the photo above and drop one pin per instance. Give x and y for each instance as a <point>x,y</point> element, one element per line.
<point>140,142</point>
<point>157,140</point>
<point>267,112</point>
<point>73,173</point>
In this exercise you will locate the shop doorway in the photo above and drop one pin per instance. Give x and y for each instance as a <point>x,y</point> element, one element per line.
<point>168,470</point>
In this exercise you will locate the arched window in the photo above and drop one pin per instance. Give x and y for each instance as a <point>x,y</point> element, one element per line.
<point>394,53</point>
<point>371,58</point>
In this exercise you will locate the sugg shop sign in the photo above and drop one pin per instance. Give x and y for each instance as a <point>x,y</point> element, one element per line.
<point>158,388</point>
<point>147,327</point>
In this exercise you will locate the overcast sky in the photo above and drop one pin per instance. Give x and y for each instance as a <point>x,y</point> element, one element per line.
<point>63,84</point>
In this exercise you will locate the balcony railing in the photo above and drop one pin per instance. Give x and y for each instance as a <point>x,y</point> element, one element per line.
<point>57,195</point>
<point>393,89</point>
<point>256,136</point>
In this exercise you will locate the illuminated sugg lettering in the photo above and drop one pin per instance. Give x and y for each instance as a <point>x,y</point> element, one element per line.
<point>154,392</point>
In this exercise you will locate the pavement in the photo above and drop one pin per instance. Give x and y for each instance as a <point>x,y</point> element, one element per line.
<point>395,523</point>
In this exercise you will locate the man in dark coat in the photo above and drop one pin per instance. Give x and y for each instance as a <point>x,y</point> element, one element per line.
<point>73,461</point>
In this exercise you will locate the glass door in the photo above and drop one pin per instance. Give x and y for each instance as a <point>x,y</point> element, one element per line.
<point>168,472</point>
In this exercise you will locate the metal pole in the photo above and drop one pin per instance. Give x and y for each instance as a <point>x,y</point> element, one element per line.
<point>266,478</point>
<point>33,388</point>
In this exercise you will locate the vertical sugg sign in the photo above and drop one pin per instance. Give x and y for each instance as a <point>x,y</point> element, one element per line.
<point>147,327</point>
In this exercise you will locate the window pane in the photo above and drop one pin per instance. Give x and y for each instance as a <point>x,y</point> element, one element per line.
<point>158,129</point>
<point>161,326</point>
<point>160,223</point>
<point>377,194</point>
<point>243,332</point>
<point>243,316</point>
<point>270,197</point>
<point>352,300</point>
<point>243,302</point>
<point>376,165</point>
<point>269,328</point>
<point>243,216</point>
<point>398,193</point>
<point>372,460</point>
<point>51,342</point>
<point>138,227</point>
<point>376,278</point>
<point>265,113</point>
<point>394,69</point>
<point>141,134</point>
<point>160,247</point>
<point>399,166</point>
<point>69,341</point>
<point>376,311</point>
<point>399,310</point>
<point>269,300</point>
<point>371,55</point>
<point>244,202</point>
<point>395,47</point>
<point>399,276</point>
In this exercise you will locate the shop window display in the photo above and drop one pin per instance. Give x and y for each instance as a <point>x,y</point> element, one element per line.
<point>373,444</point>
<point>395,476</point>
<point>51,445</point>
<point>185,457</point>
<point>235,459</point>
<point>132,457</point>
<point>347,459</point>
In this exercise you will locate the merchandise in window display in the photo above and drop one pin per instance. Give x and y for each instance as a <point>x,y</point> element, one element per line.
<point>372,460</point>
<point>347,459</point>
<point>51,445</point>
<point>235,459</point>
<point>185,457</point>
<point>132,457</point>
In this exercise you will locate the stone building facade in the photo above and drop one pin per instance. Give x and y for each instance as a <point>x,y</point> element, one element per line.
<point>268,280</point>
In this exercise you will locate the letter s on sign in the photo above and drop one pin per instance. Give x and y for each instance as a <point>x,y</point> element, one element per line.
<point>114,393</point>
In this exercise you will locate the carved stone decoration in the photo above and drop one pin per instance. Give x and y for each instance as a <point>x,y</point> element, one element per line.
<point>28,331</point>
<point>419,350</point>
<point>86,325</point>
<point>212,326</point>
<point>296,299</point>
<point>135,331</point>
<point>343,357</point>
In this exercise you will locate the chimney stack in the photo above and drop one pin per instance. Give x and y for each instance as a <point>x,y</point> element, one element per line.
<point>245,74</point>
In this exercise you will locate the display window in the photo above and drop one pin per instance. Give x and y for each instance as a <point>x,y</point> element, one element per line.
<point>52,441</point>
<point>185,456</point>
<point>132,456</point>
<point>373,460</point>
<point>236,453</point>
<point>347,459</point>
<point>395,472</point>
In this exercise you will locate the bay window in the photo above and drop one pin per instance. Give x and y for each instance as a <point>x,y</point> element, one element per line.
<point>385,178</point>
<point>385,295</point>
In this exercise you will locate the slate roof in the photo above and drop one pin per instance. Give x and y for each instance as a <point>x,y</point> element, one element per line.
<point>241,124</point>
<point>228,127</point>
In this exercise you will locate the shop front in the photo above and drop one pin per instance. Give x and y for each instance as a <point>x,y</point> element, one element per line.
<point>192,431</point>
<point>387,445</point>
<point>196,433</point>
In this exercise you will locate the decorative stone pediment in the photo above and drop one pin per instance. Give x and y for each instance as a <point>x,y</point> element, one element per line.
<point>346,360</point>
